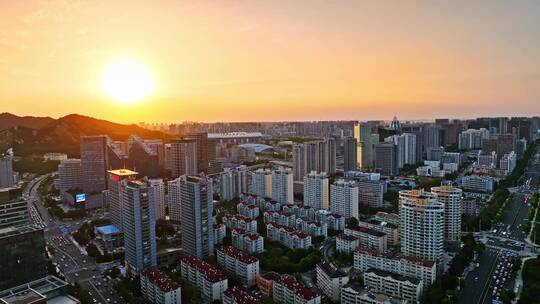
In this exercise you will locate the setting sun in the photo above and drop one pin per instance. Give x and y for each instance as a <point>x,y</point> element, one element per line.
<point>127,81</point>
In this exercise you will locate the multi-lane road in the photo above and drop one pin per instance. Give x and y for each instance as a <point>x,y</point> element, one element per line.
<point>70,259</point>
<point>507,238</point>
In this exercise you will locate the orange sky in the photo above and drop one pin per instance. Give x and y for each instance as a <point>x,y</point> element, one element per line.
<point>274,60</point>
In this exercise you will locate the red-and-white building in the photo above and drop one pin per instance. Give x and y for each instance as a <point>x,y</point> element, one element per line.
<point>286,289</point>
<point>280,217</point>
<point>158,288</point>
<point>247,241</point>
<point>238,296</point>
<point>248,209</point>
<point>245,266</point>
<point>239,221</point>
<point>313,228</point>
<point>288,236</point>
<point>210,281</point>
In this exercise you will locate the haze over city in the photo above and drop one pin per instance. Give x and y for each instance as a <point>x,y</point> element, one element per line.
<point>270,60</point>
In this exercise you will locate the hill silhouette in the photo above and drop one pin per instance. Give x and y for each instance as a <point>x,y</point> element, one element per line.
<point>63,134</point>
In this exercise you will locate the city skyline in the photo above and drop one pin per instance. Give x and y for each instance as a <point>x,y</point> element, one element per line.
<point>273,61</point>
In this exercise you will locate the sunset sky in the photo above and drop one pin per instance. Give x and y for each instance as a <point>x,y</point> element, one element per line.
<point>274,60</point>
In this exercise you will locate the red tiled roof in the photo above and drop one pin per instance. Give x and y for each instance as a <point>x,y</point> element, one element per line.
<point>159,279</point>
<point>252,236</point>
<point>292,284</point>
<point>300,234</point>
<point>240,296</point>
<point>211,273</point>
<point>238,254</point>
<point>318,224</point>
<point>239,230</point>
<point>217,226</point>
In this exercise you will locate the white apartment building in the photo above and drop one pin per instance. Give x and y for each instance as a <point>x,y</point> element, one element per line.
<point>282,186</point>
<point>316,190</point>
<point>210,281</point>
<point>369,238</point>
<point>330,280</point>
<point>508,162</point>
<point>288,236</point>
<point>286,289</point>
<point>334,221</point>
<point>393,284</point>
<point>450,196</point>
<point>158,288</point>
<point>173,200</point>
<point>261,183</point>
<point>344,198</point>
<point>313,228</point>
<point>219,233</point>
<point>391,230</point>
<point>247,241</point>
<point>248,209</point>
<point>472,138</point>
<point>280,217</point>
<point>159,190</point>
<point>245,266</point>
<point>240,221</point>
<point>481,183</point>
<point>422,269</point>
<point>421,224</point>
<point>346,243</point>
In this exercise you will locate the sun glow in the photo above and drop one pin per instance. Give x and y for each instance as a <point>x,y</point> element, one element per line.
<point>127,81</point>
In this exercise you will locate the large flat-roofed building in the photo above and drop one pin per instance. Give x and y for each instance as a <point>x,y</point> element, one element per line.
<point>48,289</point>
<point>234,260</point>
<point>355,294</point>
<point>23,256</point>
<point>183,157</point>
<point>13,209</point>
<point>286,289</point>
<point>158,288</point>
<point>210,281</point>
<point>368,237</point>
<point>393,284</point>
<point>70,174</point>
<point>330,280</point>
<point>238,296</point>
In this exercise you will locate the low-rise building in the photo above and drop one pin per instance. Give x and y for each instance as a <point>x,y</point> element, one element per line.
<point>425,270</point>
<point>288,236</point>
<point>210,281</point>
<point>109,237</point>
<point>480,183</point>
<point>368,237</point>
<point>346,243</point>
<point>286,289</point>
<point>393,284</point>
<point>354,294</point>
<point>239,221</point>
<point>280,217</point>
<point>265,283</point>
<point>245,266</point>
<point>158,288</point>
<point>330,280</point>
<point>247,209</point>
<point>219,233</point>
<point>247,241</point>
<point>391,230</point>
<point>392,218</point>
<point>238,296</point>
<point>334,221</point>
<point>313,228</point>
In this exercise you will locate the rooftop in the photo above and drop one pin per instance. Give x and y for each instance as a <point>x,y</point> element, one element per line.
<point>393,275</point>
<point>234,135</point>
<point>122,172</point>
<point>394,255</point>
<point>160,279</point>
<point>108,229</point>
<point>368,231</point>
<point>211,273</point>
<point>330,270</point>
<point>238,254</point>
<point>240,296</point>
<point>292,284</point>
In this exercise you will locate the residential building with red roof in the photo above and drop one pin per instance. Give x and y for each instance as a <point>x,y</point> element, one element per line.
<point>240,221</point>
<point>281,217</point>
<point>286,289</point>
<point>248,209</point>
<point>210,281</point>
<point>288,236</point>
<point>247,241</point>
<point>157,287</point>
<point>313,228</point>
<point>245,266</point>
<point>238,296</point>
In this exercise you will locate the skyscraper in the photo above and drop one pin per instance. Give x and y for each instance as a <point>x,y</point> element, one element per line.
<point>70,174</point>
<point>316,190</point>
<point>450,196</point>
<point>261,183</point>
<point>472,138</point>
<point>317,155</point>
<point>183,157</point>
<point>116,192</point>
<point>94,163</point>
<point>405,148</point>
<point>142,157</point>
<point>197,222</point>
<point>138,221</point>
<point>386,158</point>
<point>344,198</point>
<point>421,224</point>
<point>233,182</point>
<point>349,154</point>
<point>159,187</point>
<point>6,170</point>
<point>174,200</point>
<point>282,186</point>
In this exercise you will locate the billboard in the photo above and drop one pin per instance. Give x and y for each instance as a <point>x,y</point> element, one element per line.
<point>79,198</point>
